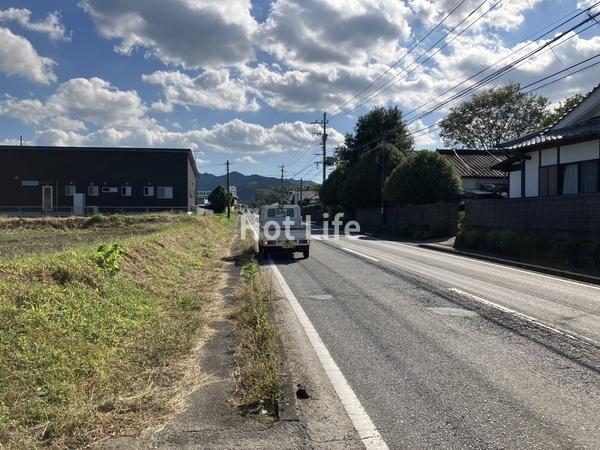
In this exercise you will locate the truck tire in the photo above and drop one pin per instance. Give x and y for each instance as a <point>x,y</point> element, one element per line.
<point>306,253</point>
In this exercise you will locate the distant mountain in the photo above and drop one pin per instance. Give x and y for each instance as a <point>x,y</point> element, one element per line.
<point>246,184</point>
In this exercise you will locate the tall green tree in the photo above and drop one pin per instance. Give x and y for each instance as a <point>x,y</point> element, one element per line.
<point>380,125</point>
<point>331,191</point>
<point>363,184</point>
<point>563,107</point>
<point>493,116</point>
<point>218,199</point>
<point>424,177</point>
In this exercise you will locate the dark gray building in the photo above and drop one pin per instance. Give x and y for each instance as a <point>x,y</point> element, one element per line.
<point>49,179</point>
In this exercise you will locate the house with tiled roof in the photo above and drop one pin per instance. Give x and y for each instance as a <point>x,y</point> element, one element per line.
<point>563,159</point>
<point>478,180</point>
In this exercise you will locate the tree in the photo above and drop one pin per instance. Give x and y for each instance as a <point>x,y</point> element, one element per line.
<point>264,197</point>
<point>330,193</point>
<point>381,125</point>
<point>218,199</point>
<point>424,177</point>
<point>362,185</point>
<point>563,107</point>
<point>493,116</point>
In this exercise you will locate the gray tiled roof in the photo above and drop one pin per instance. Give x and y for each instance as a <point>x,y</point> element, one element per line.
<point>548,137</point>
<point>475,163</point>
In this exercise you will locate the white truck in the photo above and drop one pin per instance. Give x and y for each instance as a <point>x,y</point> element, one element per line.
<point>281,229</point>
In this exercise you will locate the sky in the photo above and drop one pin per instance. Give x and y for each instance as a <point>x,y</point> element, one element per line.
<point>243,80</point>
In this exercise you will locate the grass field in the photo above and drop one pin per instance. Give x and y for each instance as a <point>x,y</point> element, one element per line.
<point>96,344</point>
<point>20,237</point>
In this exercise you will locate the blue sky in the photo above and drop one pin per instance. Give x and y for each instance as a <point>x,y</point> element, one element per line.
<point>242,80</point>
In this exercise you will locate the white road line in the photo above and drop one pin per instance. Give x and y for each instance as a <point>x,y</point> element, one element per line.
<point>360,254</point>
<point>252,227</point>
<point>365,428</point>
<point>530,319</point>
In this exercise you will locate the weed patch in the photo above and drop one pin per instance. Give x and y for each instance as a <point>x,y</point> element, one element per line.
<point>92,339</point>
<point>257,355</point>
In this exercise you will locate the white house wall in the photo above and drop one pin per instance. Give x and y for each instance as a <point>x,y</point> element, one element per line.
<point>515,184</point>
<point>532,170</point>
<point>549,157</point>
<point>582,151</point>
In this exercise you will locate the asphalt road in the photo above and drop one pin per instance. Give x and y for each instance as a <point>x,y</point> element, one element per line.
<point>432,372</point>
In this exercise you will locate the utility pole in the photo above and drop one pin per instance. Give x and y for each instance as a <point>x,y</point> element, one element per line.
<point>382,178</point>
<point>301,190</point>
<point>383,139</point>
<point>324,123</point>
<point>282,167</point>
<point>228,193</point>
<point>21,140</point>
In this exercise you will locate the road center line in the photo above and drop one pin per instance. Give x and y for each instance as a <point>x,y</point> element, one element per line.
<point>365,428</point>
<point>360,254</point>
<point>525,317</point>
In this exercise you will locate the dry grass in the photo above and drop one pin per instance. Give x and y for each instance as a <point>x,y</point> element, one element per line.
<point>257,356</point>
<point>86,355</point>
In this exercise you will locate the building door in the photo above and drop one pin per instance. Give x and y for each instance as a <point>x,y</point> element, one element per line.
<point>47,197</point>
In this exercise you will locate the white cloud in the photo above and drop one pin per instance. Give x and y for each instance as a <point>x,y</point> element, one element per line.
<point>96,101</point>
<point>234,137</point>
<point>305,33</point>
<point>187,33</point>
<point>504,16</point>
<point>81,101</point>
<point>213,89</point>
<point>18,57</point>
<point>424,138</point>
<point>246,160</point>
<point>51,25</point>
<point>238,136</point>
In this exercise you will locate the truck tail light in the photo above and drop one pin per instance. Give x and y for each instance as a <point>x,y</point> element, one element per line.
<point>270,242</point>
<point>304,241</point>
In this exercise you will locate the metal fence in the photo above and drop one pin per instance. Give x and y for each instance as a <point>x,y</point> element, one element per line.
<point>570,213</point>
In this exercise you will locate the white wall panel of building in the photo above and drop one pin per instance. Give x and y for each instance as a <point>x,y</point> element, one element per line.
<point>549,157</point>
<point>532,170</point>
<point>515,184</point>
<point>583,151</point>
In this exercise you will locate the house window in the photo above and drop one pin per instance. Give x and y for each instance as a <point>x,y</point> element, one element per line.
<point>69,191</point>
<point>93,191</point>
<point>570,178</point>
<point>164,192</point>
<point>589,176</point>
<point>148,191</point>
<point>548,181</point>
<point>110,190</point>
<point>125,191</point>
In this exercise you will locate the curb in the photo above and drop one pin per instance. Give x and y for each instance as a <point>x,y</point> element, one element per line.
<point>508,262</point>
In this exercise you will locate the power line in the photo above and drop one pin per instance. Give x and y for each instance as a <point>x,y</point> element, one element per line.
<point>502,71</point>
<point>534,37</point>
<point>402,58</point>
<point>436,126</point>
<point>432,127</point>
<point>390,83</point>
